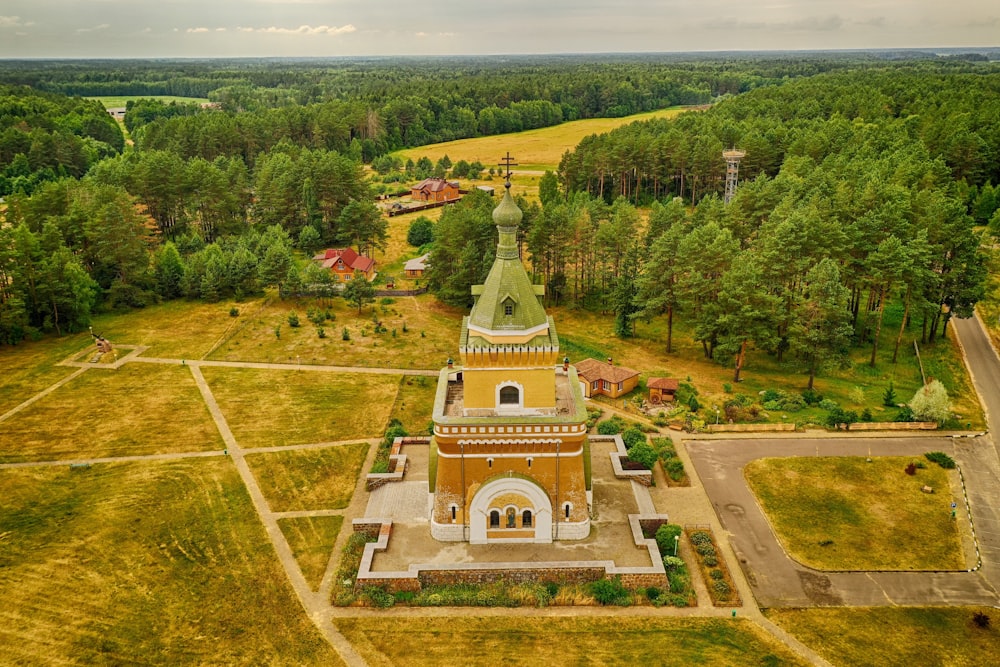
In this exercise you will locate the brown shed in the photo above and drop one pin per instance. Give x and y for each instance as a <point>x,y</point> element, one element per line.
<point>662,390</point>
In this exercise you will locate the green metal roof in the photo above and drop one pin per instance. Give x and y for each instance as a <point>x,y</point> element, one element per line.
<point>508,283</point>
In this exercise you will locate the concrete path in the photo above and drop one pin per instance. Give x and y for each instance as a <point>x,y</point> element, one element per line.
<point>287,367</point>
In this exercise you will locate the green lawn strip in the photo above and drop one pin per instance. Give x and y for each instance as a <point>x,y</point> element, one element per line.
<point>176,329</point>
<point>465,640</point>
<point>309,479</point>
<point>30,366</point>
<point>151,563</point>
<point>842,513</point>
<point>139,409</point>
<point>895,635</point>
<point>267,408</point>
<point>311,539</point>
<point>415,403</point>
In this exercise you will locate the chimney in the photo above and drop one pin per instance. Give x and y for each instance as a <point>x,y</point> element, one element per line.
<point>565,363</point>
<point>450,363</point>
<point>610,363</point>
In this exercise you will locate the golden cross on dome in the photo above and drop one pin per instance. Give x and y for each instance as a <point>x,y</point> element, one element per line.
<point>507,161</point>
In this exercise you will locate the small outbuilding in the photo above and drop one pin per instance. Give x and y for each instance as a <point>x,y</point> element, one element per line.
<point>599,377</point>
<point>415,267</point>
<point>662,390</point>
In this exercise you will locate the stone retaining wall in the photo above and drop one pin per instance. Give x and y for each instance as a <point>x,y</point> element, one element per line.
<point>893,426</point>
<point>745,428</point>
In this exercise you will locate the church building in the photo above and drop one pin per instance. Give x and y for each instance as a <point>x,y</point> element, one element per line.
<point>511,454</point>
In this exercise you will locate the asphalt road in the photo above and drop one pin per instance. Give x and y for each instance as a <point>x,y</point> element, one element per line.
<point>778,581</point>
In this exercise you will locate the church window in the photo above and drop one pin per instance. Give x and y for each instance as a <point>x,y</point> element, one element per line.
<point>495,519</point>
<point>489,463</point>
<point>509,396</point>
<point>508,309</point>
<point>511,517</point>
<point>454,512</point>
<point>526,519</point>
<point>529,462</point>
<point>566,509</point>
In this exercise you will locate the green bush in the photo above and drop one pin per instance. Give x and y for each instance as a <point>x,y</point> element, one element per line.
<point>700,537</point>
<point>321,332</point>
<point>827,404</point>
<point>665,538</point>
<point>632,436</point>
<point>705,549</point>
<point>674,564</point>
<point>678,600</point>
<point>345,335</point>
<point>643,454</point>
<point>716,574</point>
<point>674,469</point>
<point>710,561</point>
<point>653,593</point>
<point>293,319</point>
<point>722,588</point>
<point>378,597</point>
<point>812,397</point>
<point>680,581</point>
<point>770,395</point>
<point>889,397</point>
<point>941,459</point>
<point>610,592</point>
<point>612,426</point>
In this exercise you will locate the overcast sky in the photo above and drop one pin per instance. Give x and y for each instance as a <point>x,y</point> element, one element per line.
<point>220,28</point>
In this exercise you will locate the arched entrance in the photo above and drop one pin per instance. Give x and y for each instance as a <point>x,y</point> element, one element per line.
<point>522,499</point>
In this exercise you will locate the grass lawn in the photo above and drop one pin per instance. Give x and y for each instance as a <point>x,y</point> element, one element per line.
<point>309,479</point>
<point>397,250</point>
<point>415,403</point>
<point>465,640</point>
<point>275,408</point>
<point>136,410</point>
<point>534,150</point>
<point>177,329</point>
<point>311,539</point>
<point>438,323</point>
<point>151,563</point>
<point>112,101</point>
<point>895,635</point>
<point>30,366</point>
<point>870,516</point>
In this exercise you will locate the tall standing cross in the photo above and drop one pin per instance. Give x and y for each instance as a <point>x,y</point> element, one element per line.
<point>507,161</point>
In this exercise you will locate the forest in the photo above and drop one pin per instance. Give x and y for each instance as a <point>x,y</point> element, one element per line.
<point>865,182</point>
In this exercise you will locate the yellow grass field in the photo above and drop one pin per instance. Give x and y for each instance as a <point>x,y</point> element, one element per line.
<point>534,150</point>
<point>30,367</point>
<point>143,563</point>
<point>309,479</point>
<point>311,539</point>
<point>843,513</point>
<point>138,409</point>
<point>266,408</point>
<point>895,635</point>
<point>464,640</point>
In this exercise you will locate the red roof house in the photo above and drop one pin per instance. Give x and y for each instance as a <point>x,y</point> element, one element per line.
<point>598,377</point>
<point>435,189</point>
<point>343,262</point>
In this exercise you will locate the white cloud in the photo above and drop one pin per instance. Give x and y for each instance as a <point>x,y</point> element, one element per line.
<point>197,30</point>
<point>220,30</point>
<point>103,26</point>
<point>14,22</point>
<point>305,30</point>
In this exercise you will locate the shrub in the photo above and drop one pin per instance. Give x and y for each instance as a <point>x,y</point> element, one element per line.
<point>770,395</point>
<point>674,469</point>
<point>700,537</point>
<point>941,459</point>
<point>727,388</point>
<point>905,414</point>
<point>346,335</point>
<point>705,549</point>
<point>866,416</point>
<point>643,454</point>
<point>722,588</point>
<point>931,403</point>
<point>610,591</point>
<point>234,312</point>
<point>633,436</point>
<point>653,593</point>
<point>812,397</point>
<point>673,564</point>
<point>792,402</point>
<point>277,331</point>
<point>316,316</point>
<point>827,404</point>
<point>889,397</point>
<point>679,580</point>
<point>612,426</point>
<point>321,332</point>
<point>678,600</point>
<point>911,469</point>
<point>716,574</point>
<point>293,319</point>
<point>981,619</point>
<point>710,561</point>
<point>665,535</point>
<point>378,597</point>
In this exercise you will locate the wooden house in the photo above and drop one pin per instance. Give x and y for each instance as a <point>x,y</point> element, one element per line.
<point>416,267</point>
<point>343,262</point>
<point>435,189</point>
<point>599,377</point>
